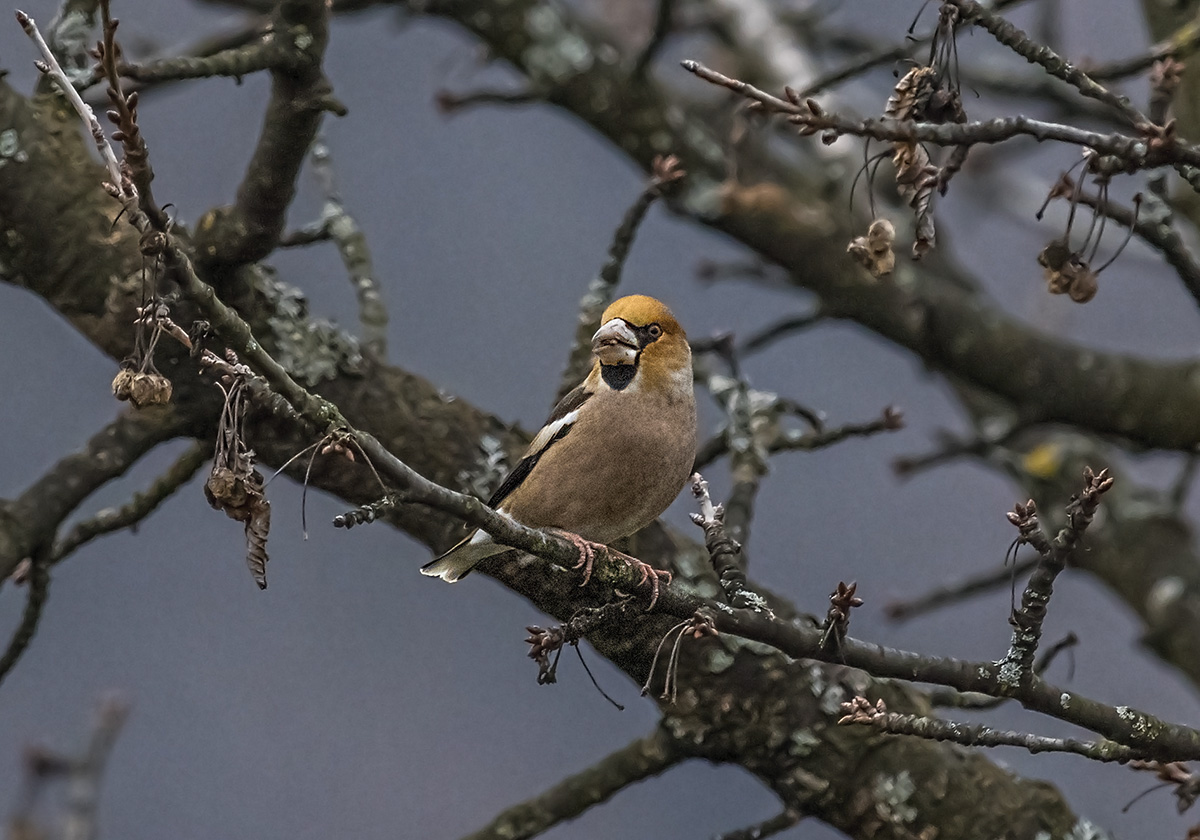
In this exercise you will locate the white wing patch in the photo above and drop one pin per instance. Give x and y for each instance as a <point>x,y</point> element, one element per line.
<point>550,431</point>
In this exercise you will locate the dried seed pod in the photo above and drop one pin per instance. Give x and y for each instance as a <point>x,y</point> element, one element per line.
<point>874,251</point>
<point>122,384</point>
<point>149,389</point>
<point>1084,286</point>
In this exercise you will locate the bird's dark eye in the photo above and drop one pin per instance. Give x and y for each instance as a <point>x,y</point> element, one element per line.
<point>654,330</point>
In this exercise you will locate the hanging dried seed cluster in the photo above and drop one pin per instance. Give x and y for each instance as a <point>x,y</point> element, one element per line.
<point>138,381</point>
<point>1068,269</point>
<point>234,485</point>
<point>927,93</point>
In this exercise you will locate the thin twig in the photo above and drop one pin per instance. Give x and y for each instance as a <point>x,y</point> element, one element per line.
<point>1180,44</point>
<point>767,828</point>
<point>662,28</point>
<point>356,256</point>
<point>1041,55</point>
<point>83,781</point>
<point>860,711</point>
<point>1134,152</point>
<point>122,188</point>
<point>136,509</point>
<point>38,582</point>
<point>942,596</point>
<point>639,760</point>
<point>1053,557</point>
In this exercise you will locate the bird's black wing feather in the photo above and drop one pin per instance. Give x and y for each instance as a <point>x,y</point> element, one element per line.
<point>554,430</point>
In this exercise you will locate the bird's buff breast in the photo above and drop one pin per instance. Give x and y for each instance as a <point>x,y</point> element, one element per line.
<point>615,478</point>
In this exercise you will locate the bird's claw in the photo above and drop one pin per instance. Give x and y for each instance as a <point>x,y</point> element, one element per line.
<point>587,553</point>
<point>650,575</point>
<point>587,561</point>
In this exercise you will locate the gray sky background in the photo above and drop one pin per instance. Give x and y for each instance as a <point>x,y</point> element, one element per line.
<point>355,698</point>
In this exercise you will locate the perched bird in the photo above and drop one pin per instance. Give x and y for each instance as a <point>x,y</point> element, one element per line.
<point>616,450</point>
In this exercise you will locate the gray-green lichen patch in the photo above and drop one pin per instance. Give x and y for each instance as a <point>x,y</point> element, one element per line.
<point>10,147</point>
<point>486,474</point>
<point>70,37</point>
<point>892,795</point>
<point>555,53</point>
<point>1082,830</point>
<point>719,660</point>
<point>311,349</point>
<point>1010,673</point>
<point>1087,830</point>
<point>802,743</point>
<point>302,39</point>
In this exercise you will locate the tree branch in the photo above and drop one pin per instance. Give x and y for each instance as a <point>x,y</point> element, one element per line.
<point>641,759</point>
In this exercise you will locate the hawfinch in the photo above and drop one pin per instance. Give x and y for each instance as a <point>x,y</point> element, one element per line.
<point>616,450</point>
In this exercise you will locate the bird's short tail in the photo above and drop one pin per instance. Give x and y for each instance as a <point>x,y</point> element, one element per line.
<point>455,563</point>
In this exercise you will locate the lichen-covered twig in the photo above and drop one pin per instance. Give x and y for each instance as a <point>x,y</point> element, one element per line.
<point>860,711</point>
<point>948,698</point>
<point>356,256</point>
<point>723,551</point>
<point>1052,559</point>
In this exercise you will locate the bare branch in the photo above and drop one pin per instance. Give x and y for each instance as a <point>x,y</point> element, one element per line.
<point>861,711</point>
<point>30,520</point>
<point>1040,54</point>
<point>38,581</point>
<point>136,509</point>
<point>122,189</point>
<point>250,229</point>
<point>1053,556</point>
<point>356,256</point>
<point>723,551</point>
<point>641,759</point>
<point>953,593</point>
<point>1133,152</point>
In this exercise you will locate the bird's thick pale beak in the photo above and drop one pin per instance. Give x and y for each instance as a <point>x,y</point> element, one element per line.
<point>615,344</point>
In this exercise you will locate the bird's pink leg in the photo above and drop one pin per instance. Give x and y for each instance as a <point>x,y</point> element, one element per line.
<point>649,574</point>
<point>587,560</point>
<point>587,551</point>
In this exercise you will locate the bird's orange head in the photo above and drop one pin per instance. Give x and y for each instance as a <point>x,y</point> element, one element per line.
<point>639,330</point>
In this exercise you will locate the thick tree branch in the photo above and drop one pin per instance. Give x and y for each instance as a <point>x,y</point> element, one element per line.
<point>249,229</point>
